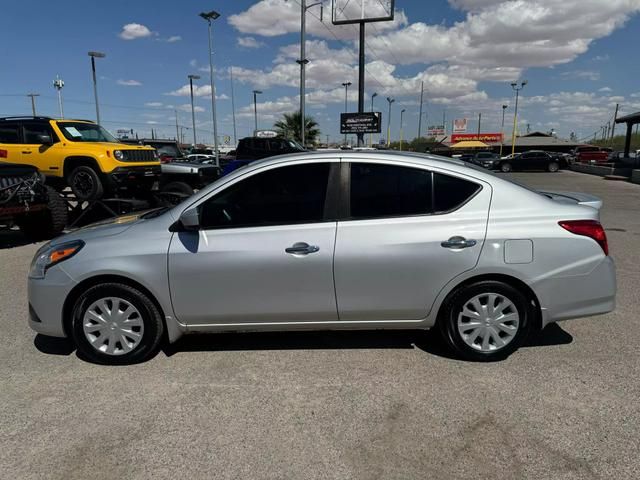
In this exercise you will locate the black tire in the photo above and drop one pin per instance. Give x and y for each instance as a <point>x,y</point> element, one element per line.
<point>85,183</point>
<point>553,167</point>
<point>149,313</point>
<point>181,188</point>
<point>448,320</point>
<point>49,223</point>
<point>505,167</point>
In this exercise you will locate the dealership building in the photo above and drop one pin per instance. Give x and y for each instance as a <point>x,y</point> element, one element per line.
<point>531,141</point>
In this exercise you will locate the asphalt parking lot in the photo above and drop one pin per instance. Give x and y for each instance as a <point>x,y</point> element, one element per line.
<point>362,405</point>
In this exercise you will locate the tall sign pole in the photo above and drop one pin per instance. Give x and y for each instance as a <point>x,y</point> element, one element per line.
<point>420,115</point>
<point>361,79</point>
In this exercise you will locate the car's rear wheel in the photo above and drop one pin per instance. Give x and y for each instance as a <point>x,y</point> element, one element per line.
<point>116,324</point>
<point>505,167</point>
<point>85,183</point>
<point>485,321</point>
<point>553,167</point>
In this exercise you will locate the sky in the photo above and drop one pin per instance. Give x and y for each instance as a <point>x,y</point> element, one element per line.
<point>579,58</point>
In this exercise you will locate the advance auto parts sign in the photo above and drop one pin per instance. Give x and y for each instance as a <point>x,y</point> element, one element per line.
<point>483,137</point>
<point>367,122</point>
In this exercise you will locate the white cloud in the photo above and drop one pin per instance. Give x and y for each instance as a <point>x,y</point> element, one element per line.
<point>605,89</point>
<point>153,104</point>
<point>249,42</point>
<point>129,83</point>
<point>582,75</point>
<point>187,108</point>
<point>174,38</point>
<point>198,91</point>
<point>131,31</point>
<point>193,63</point>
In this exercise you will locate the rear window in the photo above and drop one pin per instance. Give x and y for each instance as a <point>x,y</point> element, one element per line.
<point>450,193</point>
<point>9,133</point>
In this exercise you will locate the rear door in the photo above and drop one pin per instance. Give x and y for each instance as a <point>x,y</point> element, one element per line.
<point>408,231</point>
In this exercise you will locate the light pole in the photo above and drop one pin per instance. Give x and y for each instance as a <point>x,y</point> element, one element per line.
<point>504,108</point>
<point>255,109</point>
<point>390,101</point>
<point>58,83</point>
<point>374,95</point>
<point>93,56</point>
<point>209,16</point>
<point>517,89</point>
<point>233,108</point>
<point>346,86</point>
<point>193,112</point>
<point>33,102</point>
<point>401,132</point>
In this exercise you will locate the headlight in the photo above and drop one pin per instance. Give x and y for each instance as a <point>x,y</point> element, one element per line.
<point>118,155</point>
<point>47,256</point>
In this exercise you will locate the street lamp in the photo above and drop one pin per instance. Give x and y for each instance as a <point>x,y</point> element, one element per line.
<point>517,89</point>
<point>58,83</point>
<point>390,101</point>
<point>93,56</point>
<point>193,112</point>
<point>209,16</point>
<point>374,95</point>
<point>255,109</point>
<point>504,108</point>
<point>346,86</point>
<point>401,132</point>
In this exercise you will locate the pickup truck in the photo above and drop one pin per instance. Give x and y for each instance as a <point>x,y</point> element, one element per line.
<point>590,154</point>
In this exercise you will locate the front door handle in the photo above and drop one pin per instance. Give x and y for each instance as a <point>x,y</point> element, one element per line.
<point>302,248</point>
<point>27,153</point>
<point>458,242</point>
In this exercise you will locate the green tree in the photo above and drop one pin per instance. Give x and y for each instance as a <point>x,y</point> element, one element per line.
<point>289,127</point>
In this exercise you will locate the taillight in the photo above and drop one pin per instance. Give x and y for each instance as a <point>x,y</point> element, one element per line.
<point>587,228</point>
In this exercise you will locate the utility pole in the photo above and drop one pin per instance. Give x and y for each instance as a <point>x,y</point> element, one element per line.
<point>504,108</point>
<point>33,102</point>
<point>374,95</point>
<point>401,126</point>
<point>193,112</point>
<point>479,123</point>
<point>327,141</point>
<point>517,89</point>
<point>444,121</point>
<point>58,83</point>
<point>420,115</point>
<point>93,56</point>
<point>390,101</point>
<point>233,108</point>
<point>346,86</point>
<point>209,16</point>
<point>255,109</point>
<point>303,62</point>
<point>613,127</point>
<point>177,132</point>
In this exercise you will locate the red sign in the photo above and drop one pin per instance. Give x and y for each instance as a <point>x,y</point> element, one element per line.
<point>483,137</point>
<point>3,154</point>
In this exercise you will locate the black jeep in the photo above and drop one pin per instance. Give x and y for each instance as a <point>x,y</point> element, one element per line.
<point>25,201</point>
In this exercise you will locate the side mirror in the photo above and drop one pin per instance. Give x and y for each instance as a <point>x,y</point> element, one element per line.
<point>190,219</point>
<point>45,139</point>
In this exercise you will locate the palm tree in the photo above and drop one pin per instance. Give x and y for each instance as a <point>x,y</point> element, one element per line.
<point>289,127</point>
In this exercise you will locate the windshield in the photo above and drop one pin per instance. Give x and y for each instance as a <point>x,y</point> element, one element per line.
<point>167,150</point>
<point>85,132</point>
<point>294,144</point>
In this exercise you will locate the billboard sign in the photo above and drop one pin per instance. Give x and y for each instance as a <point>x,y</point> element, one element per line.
<point>483,137</point>
<point>460,125</point>
<point>366,122</point>
<point>433,130</point>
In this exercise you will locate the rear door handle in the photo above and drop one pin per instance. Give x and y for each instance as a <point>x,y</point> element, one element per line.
<point>302,248</point>
<point>458,242</point>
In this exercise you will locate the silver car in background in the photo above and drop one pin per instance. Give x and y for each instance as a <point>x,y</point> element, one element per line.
<point>338,240</point>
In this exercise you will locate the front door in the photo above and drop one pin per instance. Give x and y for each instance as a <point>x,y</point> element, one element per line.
<point>410,231</point>
<point>264,253</point>
<point>47,158</point>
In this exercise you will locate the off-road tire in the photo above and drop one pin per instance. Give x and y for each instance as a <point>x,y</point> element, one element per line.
<point>85,183</point>
<point>49,223</point>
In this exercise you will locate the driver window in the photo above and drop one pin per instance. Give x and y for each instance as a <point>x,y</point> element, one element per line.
<point>287,195</point>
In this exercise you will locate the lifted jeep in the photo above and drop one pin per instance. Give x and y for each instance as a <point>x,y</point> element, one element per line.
<point>79,154</point>
<point>27,202</point>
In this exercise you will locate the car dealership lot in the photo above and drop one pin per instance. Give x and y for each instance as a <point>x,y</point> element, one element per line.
<point>333,405</point>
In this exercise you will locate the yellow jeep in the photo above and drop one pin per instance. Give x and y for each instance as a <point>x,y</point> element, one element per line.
<point>79,154</point>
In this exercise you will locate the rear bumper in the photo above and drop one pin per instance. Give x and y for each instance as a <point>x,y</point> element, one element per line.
<point>563,298</point>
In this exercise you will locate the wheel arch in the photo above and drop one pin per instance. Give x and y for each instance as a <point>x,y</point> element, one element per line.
<point>172,332</point>
<point>515,282</point>
<point>74,161</point>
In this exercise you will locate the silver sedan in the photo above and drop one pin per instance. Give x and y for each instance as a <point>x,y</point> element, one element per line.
<point>341,240</point>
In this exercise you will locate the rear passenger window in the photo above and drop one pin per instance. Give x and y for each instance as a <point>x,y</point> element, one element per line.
<point>9,133</point>
<point>389,191</point>
<point>32,132</point>
<point>451,192</point>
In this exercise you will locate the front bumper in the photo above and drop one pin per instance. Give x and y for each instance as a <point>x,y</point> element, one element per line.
<point>594,293</point>
<point>46,301</point>
<point>128,177</point>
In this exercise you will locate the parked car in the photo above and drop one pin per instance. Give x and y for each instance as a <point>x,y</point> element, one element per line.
<point>27,202</point>
<point>251,149</point>
<point>590,154</point>
<point>201,158</point>
<point>486,159</point>
<point>344,240</point>
<point>531,160</point>
<point>619,156</point>
<point>79,154</point>
<point>167,150</point>
<point>563,159</point>
<point>182,178</point>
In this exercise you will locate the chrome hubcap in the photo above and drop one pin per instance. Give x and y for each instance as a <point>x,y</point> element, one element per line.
<point>113,326</point>
<point>488,322</point>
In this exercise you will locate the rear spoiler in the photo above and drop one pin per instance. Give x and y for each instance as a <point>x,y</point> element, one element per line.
<point>575,197</point>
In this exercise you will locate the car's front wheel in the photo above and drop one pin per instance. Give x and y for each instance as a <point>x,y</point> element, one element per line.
<point>116,324</point>
<point>485,321</point>
<point>85,183</point>
<point>553,167</point>
<point>505,167</point>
